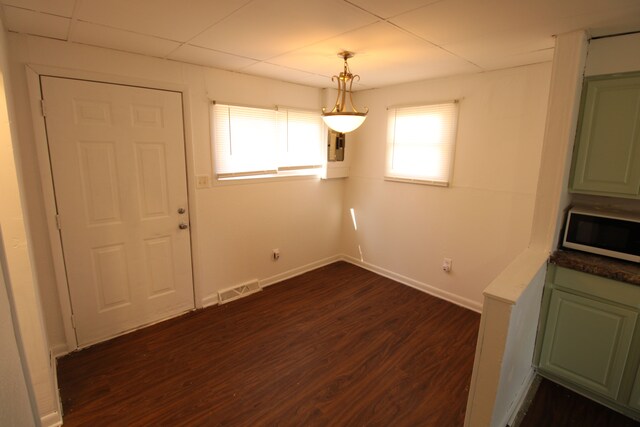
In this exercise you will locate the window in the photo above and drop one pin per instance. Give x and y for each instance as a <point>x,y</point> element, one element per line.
<point>250,142</point>
<point>421,142</point>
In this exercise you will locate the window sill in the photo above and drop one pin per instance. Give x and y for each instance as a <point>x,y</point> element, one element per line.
<point>417,181</point>
<point>281,176</point>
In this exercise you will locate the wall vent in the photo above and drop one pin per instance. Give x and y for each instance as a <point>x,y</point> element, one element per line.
<point>230,294</point>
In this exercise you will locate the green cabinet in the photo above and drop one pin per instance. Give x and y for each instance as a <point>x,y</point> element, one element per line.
<point>606,158</point>
<point>587,342</point>
<point>589,339</point>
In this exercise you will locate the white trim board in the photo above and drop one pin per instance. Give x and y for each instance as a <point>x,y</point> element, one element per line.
<point>46,181</point>
<point>299,270</point>
<point>52,419</point>
<point>58,350</point>
<point>209,300</point>
<point>212,299</point>
<point>438,293</point>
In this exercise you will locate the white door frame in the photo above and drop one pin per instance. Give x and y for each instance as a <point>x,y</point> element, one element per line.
<point>40,135</point>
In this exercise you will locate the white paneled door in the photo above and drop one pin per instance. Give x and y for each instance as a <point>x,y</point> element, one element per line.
<point>118,164</point>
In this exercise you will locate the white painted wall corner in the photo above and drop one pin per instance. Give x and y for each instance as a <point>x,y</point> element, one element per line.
<point>424,287</point>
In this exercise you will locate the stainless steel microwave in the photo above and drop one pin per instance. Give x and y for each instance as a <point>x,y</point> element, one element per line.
<point>611,234</point>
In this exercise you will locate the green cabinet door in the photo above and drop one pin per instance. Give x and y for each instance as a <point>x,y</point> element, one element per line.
<point>606,158</point>
<point>587,342</point>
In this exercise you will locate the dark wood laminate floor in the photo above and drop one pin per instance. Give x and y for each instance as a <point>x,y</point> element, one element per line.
<point>337,346</point>
<point>555,406</point>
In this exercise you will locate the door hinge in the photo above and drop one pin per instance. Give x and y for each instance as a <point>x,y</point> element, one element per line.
<point>58,224</point>
<point>43,108</point>
<point>73,321</point>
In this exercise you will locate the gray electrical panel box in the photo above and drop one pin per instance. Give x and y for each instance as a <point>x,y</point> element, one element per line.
<point>335,146</point>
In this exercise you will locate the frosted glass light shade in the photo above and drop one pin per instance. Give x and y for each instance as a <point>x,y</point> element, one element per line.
<point>344,122</point>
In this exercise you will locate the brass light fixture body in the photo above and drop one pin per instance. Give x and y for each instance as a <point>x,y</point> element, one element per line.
<point>340,118</point>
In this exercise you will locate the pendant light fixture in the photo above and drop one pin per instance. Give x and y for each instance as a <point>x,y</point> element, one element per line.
<point>340,118</point>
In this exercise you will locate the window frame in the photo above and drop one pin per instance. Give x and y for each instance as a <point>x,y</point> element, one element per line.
<point>280,144</point>
<point>451,118</point>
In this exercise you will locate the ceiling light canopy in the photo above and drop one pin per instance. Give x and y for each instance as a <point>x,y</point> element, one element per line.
<point>340,118</point>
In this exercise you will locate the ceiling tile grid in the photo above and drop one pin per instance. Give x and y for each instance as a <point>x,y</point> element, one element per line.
<point>268,28</point>
<point>298,41</point>
<point>178,20</point>
<point>36,23</point>
<point>98,35</point>
<point>62,8</point>
<point>209,58</point>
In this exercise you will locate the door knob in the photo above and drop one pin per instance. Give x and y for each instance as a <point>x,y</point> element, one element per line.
<point>181,210</point>
<point>183,226</point>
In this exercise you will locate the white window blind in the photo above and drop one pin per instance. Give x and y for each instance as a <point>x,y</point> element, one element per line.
<point>421,143</point>
<point>263,142</point>
<point>301,136</point>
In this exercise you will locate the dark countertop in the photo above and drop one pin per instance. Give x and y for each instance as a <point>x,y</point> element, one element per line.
<point>623,271</point>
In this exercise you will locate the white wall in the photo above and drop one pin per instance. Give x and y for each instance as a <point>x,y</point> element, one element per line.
<point>16,407</point>
<point>504,353</point>
<point>235,225</point>
<point>609,55</point>
<point>483,220</point>
<point>516,373</point>
<point>502,367</point>
<point>17,248</point>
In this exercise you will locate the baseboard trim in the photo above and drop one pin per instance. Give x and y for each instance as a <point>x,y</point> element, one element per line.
<point>52,419</point>
<point>439,293</point>
<point>210,300</point>
<point>523,399</point>
<point>59,350</point>
<point>299,270</point>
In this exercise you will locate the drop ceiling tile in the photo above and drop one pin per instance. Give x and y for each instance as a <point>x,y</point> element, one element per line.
<point>384,55</point>
<point>278,72</point>
<point>497,61</point>
<point>173,20</point>
<point>266,28</point>
<point>57,7</point>
<point>594,16</point>
<point>36,23</point>
<point>505,50</point>
<point>98,35</point>
<point>519,59</point>
<point>432,64</point>
<point>533,40</point>
<point>209,58</point>
<point>386,9</point>
<point>299,39</point>
<point>599,19</point>
<point>456,20</point>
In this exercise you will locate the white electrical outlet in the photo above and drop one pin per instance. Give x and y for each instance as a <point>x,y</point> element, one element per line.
<point>276,254</point>
<point>446,265</point>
